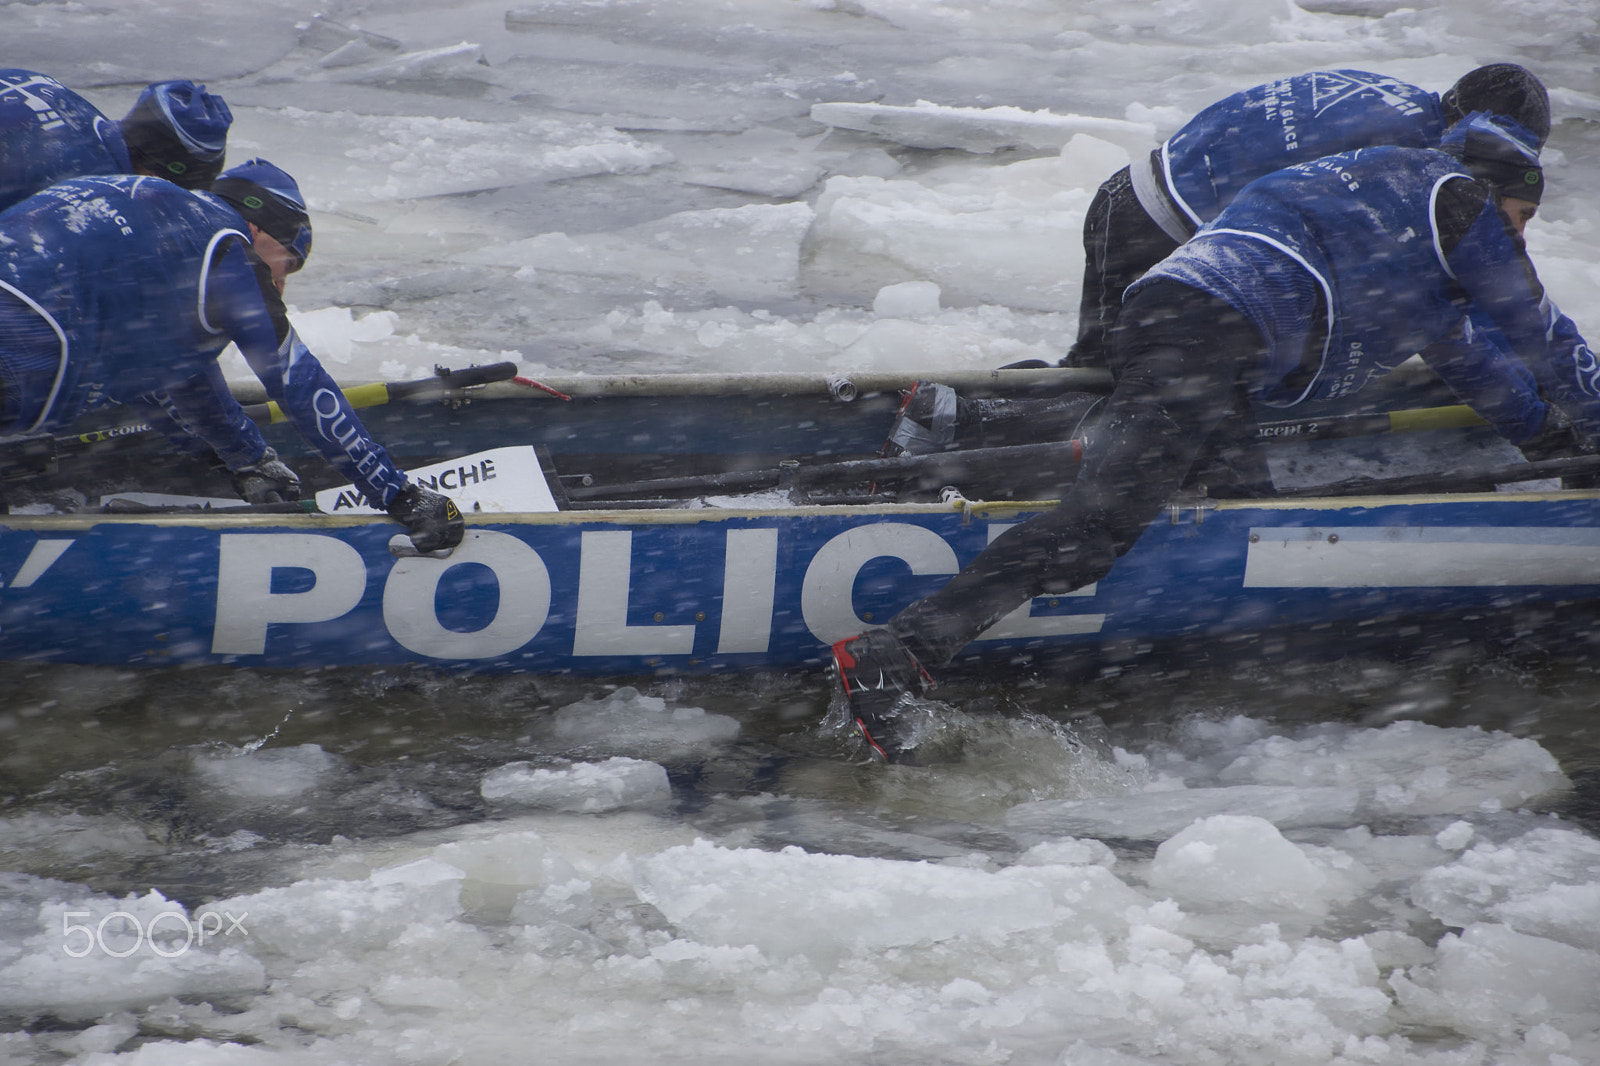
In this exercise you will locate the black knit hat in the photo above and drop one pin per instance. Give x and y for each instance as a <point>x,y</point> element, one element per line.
<point>179,131</point>
<point>1501,89</point>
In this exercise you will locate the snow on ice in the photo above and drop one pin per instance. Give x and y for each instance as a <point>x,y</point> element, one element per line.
<point>1234,941</point>
<point>595,186</point>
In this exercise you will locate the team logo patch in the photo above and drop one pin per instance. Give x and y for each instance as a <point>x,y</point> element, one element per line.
<point>1587,370</point>
<point>1330,89</point>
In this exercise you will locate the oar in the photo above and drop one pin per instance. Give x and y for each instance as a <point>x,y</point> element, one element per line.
<point>444,382</point>
<point>1330,428</point>
<point>936,466</point>
<point>123,506</point>
<point>1464,481</point>
<point>1337,427</point>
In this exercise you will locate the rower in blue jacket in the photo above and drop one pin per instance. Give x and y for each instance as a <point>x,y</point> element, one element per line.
<point>125,290</point>
<point>48,133</point>
<point>1313,282</point>
<point>1146,210</point>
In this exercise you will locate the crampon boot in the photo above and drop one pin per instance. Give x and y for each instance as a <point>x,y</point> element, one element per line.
<point>875,669</point>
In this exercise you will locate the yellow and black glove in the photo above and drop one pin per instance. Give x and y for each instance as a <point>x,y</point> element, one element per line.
<point>433,520</point>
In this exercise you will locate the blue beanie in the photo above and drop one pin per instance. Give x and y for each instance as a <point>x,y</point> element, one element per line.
<point>179,131</point>
<point>268,197</point>
<point>1500,152</point>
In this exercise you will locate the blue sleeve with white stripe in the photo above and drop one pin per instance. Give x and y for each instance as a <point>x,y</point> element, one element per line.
<point>1480,367</point>
<point>244,306</point>
<point>1574,371</point>
<point>1492,266</point>
<point>202,408</point>
<point>319,410</point>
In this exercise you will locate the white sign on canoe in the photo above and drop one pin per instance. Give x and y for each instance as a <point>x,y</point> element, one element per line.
<point>498,481</point>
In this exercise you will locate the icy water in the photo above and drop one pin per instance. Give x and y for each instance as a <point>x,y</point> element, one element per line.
<point>1354,862</point>
<point>411,748</point>
<point>1351,861</point>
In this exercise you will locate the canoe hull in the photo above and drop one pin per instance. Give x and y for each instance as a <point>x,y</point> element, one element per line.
<point>706,591</point>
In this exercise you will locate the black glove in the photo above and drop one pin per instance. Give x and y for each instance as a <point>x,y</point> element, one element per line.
<point>433,521</point>
<point>267,480</point>
<point>1557,439</point>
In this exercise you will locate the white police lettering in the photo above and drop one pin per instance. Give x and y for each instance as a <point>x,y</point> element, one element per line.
<point>827,592</point>
<point>40,558</point>
<point>246,602</point>
<point>749,577</point>
<point>259,594</point>
<point>410,597</point>
<point>605,569</point>
<point>1021,624</point>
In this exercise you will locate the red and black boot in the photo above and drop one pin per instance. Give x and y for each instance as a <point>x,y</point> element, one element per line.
<point>876,669</point>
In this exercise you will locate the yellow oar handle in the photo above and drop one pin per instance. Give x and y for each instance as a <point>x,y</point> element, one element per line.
<point>1459,416</point>
<point>444,382</point>
<point>374,395</point>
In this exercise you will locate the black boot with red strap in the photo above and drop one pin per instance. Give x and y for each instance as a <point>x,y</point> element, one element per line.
<point>876,670</point>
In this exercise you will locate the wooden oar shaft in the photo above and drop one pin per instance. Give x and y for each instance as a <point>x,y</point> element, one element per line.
<point>1083,379</point>
<point>376,394</point>
<point>380,392</point>
<point>1460,481</point>
<point>1338,427</point>
<point>938,464</point>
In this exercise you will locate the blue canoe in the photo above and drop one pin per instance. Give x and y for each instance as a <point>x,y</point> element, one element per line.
<point>630,590</point>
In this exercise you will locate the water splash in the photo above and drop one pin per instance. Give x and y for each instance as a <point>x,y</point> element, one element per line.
<point>256,745</point>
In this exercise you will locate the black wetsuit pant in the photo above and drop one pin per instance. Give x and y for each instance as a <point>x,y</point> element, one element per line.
<point>1120,242</point>
<point>1179,414</point>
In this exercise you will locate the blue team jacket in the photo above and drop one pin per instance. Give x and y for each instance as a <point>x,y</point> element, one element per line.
<point>49,133</point>
<point>1361,226</point>
<point>1294,120</point>
<point>145,284</point>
